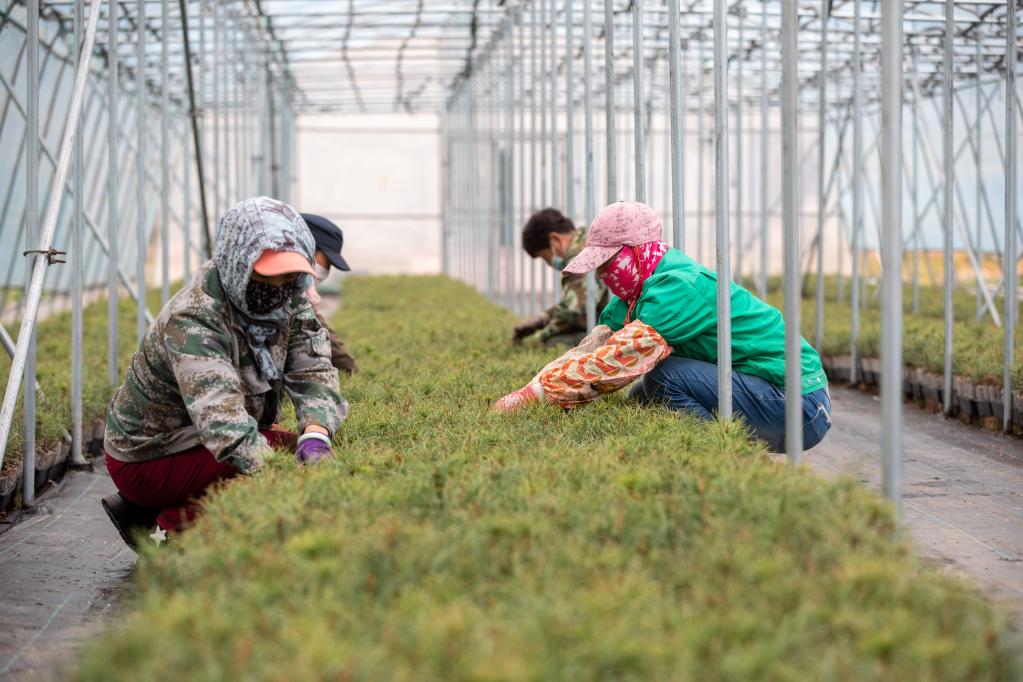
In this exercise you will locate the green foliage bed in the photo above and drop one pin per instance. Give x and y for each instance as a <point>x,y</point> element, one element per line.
<point>976,345</point>
<point>446,542</point>
<point>53,350</point>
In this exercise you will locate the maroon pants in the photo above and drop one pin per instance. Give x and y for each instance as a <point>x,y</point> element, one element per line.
<point>174,483</point>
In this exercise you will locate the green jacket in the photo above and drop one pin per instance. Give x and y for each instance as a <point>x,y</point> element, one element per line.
<point>569,315</point>
<point>680,301</point>
<point>194,382</point>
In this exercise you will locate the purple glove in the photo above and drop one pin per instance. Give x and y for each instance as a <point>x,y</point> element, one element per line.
<point>312,447</point>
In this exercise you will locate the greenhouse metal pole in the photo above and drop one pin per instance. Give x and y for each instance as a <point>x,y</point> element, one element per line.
<point>28,333</point>
<point>544,197</point>
<point>591,199</point>
<point>637,99</point>
<point>790,213</point>
<point>218,176</point>
<point>542,168</point>
<point>200,122</point>
<point>609,101</point>
<point>186,209</point>
<point>891,250</point>
<point>947,131</point>
<point>534,168</point>
<point>569,115</point>
<point>113,189</point>
<point>140,170</point>
<point>739,139</point>
<point>164,155</point>
<point>523,208</point>
<point>34,291</point>
<point>674,109</point>
<point>822,202</point>
<point>915,182</point>
<point>510,253</point>
<point>979,177</point>
<point>700,133</point>
<point>764,218</point>
<point>552,39</point>
<point>1011,255</point>
<point>721,212</point>
<point>556,197</point>
<point>857,209</point>
<point>77,254</point>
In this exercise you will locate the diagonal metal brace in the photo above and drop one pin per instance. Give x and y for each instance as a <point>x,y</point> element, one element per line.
<point>50,253</point>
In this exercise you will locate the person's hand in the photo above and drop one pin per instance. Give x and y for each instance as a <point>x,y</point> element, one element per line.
<point>527,327</point>
<point>516,400</point>
<point>312,447</point>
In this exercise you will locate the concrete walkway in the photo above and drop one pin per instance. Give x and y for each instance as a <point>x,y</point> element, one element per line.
<point>62,570</point>
<point>962,488</point>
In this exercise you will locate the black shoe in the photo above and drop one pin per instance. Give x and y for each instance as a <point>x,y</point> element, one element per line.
<point>129,517</point>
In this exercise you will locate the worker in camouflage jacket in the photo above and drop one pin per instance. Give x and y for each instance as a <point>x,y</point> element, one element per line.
<point>202,395</point>
<point>329,241</point>
<point>550,235</point>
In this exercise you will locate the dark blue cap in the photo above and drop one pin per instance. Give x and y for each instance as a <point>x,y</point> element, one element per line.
<point>328,239</point>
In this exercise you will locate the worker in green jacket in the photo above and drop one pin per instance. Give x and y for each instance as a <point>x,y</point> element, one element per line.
<point>550,235</point>
<point>661,327</point>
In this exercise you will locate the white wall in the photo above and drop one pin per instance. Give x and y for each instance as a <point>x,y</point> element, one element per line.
<point>378,177</point>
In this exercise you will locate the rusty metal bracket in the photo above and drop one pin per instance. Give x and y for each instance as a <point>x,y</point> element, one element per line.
<point>50,253</point>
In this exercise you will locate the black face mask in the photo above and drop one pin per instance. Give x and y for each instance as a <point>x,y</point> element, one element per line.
<point>262,298</point>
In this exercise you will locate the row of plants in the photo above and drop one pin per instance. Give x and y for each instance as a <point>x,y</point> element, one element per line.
<point>977,346</point>
<point>53,353</point>
<point>447,542</point>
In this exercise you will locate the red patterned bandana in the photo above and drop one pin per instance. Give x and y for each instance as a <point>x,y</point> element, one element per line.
<point>631,267</point>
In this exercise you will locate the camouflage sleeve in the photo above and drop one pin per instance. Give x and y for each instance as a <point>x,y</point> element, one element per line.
<point>199,351</point>
<point>309,377</point>
<point>569,315</point>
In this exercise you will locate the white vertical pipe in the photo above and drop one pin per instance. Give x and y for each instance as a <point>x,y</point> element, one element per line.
<point>637,99</point>
<point>609,101</point>
<point>113,236</point>
<point>1011,254</point>
<point>140,169</point>
<point>790,219</point>
<point>947,133</point>
<point>591,200</point>
<point>674,108</point>
<point>724,274</point>
<point>891,249</point>
<point>31,242</point>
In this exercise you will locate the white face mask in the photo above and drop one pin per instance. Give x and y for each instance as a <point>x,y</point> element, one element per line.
<point>320,273</point>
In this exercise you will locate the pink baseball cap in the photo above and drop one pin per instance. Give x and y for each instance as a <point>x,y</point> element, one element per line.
<point>623,223</point>
<point>272,263</point>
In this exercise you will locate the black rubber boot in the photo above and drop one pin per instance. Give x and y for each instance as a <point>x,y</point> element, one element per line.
<point>129,517</point>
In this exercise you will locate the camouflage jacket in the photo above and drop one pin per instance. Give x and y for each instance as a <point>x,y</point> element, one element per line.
<point>193,381</point>
<point>569,315</point>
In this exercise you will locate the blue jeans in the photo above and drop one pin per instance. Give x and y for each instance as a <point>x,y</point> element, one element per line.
<point>692,386</point>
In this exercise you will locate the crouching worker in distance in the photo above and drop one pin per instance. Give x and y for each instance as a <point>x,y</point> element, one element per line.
<point>329,241</point>
<point>661,327</point>
<point>203,391</point>
<point>550,235</point>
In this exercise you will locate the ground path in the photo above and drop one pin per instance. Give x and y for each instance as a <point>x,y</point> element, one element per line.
<point>62,568</point>
<point>962,488</point>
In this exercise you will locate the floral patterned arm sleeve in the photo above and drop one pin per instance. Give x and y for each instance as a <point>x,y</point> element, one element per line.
<point>593,369</point>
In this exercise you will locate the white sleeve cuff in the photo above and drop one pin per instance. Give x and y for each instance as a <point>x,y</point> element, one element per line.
<point>315,435</point>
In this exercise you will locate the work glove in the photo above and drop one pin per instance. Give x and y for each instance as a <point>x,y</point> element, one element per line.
<point>312,447</point>
<point>516,400</point>
<point>524,329</point>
